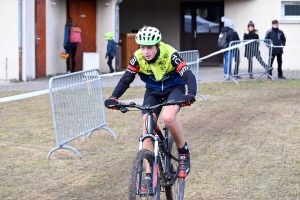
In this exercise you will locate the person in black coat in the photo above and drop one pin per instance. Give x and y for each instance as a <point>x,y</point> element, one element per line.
<point>278,39</point>
<point>252,49</point>
<point>229,29</point>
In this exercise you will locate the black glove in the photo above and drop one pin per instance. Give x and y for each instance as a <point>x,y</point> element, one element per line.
<point>189,99</point>
<point>65,47</point>
<point>111,103</point>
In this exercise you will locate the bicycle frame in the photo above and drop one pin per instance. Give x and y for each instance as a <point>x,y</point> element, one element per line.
<point>162,156</point>
<point>160,152</point>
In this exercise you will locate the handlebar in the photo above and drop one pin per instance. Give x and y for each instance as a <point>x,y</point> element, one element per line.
<point>123,106</point>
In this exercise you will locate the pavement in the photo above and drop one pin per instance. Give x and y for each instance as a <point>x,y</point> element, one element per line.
<point>206,75</point>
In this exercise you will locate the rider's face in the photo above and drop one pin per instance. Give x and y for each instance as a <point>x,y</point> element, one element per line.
<point>148,51</point>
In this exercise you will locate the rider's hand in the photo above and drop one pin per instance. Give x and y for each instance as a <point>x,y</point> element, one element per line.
<point>111,103</point>
<point>189,99</point>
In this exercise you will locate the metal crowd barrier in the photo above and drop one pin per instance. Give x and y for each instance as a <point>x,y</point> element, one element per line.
<point>192,60</point>
<point>77,107</point>
<point>250,59</point>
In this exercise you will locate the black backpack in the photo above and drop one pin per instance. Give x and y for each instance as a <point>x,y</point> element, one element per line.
<point>222,40</point>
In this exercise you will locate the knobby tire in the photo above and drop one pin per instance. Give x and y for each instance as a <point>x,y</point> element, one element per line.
<point>141,156</point>
<point>176,191</point>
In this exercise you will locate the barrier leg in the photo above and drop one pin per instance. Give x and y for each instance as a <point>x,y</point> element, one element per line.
<point>104,127</point>
<point>271,77</point>
<point>204,99</point>
<point>225,79</point>
<point>63,147</point>
<point>229,77</point>
<point>108,129</point>
<point>266,73</point>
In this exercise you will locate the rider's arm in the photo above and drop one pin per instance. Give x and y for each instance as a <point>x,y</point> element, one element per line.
<point>127,78</point>
<point>186,73</point>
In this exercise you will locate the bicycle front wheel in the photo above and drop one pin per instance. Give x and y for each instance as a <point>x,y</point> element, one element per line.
<point>137,189</point>
<point>176,191</point>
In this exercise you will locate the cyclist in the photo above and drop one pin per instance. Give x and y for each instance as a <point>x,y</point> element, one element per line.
<point>165,74</point>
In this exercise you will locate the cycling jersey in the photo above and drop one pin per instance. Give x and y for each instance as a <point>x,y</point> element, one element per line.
<point>167,69</point>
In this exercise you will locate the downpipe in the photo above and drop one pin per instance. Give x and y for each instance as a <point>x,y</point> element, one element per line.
<point>20,38</point>
<point>117,32</point>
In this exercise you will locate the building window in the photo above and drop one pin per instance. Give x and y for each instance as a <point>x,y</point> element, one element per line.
<point>187,20</point>
<point>290,10</point>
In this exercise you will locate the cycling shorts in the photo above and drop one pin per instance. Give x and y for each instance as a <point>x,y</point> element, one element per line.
<point>154,97</point>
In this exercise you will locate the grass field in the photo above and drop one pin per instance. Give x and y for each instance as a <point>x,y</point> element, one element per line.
<point>244,144</point>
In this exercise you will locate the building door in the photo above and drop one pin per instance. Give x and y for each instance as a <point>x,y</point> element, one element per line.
<point>40,50</point>
<point>83,13</point>
<point>200,28</point>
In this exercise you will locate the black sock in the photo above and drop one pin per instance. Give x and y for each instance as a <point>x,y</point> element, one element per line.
<point>184,149</point>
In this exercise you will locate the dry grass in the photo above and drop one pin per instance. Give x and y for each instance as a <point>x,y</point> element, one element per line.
<point>244,143</point>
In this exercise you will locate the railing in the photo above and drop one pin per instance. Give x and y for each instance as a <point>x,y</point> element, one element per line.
<point>251,59</point>
<point>192,59</point>
<point>77,107</point>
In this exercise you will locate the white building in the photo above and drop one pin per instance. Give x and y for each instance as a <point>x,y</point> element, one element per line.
<point>32,31</point>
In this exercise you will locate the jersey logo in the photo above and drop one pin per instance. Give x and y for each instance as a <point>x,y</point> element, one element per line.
<point>149,69</point>
<point>184,69</point>
<point>176,59</point>
<point>133,60</point>
<point>166,55</point>
<point>162,62</point>
<point>162,65</point>
<point>129,70</point>
<point>163,68</point>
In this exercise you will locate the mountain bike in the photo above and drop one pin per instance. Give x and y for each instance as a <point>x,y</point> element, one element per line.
<point>163,161</point>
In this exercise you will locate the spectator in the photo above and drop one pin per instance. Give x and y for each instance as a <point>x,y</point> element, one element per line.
<point>252,49</point>
<point>228,31</point>
<point>278,39</point>
<point>111,50</point>
<point>70,48</point>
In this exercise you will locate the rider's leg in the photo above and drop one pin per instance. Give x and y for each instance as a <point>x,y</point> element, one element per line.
<point>175,128</point>
<point>169,118</point>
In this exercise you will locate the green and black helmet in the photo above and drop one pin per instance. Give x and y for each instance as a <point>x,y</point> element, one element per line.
<point>148,36</point>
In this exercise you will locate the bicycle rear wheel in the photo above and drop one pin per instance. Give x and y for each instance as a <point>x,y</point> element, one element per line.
<point>138,173</point>
<point>176,191</point>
